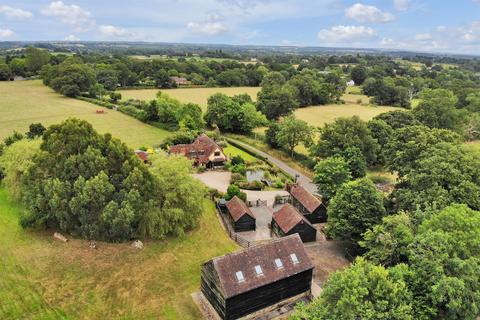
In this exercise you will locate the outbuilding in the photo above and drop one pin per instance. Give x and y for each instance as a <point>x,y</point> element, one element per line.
<point>288,221</point>
<point>244,282</point>
<point>307,204</point>
<point>240,216</point>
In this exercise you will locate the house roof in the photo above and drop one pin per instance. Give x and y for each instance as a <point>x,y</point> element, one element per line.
<point>264,256</point>
<point>288,217</point>
<point>142,155</point>
<point>237,209</point>
<point>203,147</point>
<point>308,200</point>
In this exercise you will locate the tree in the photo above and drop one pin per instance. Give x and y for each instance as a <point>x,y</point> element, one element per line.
<point>35,130</point>
<point>344,133</point>
<point>356,207</point>
<point>163,80</point>
<point>383,134</point>
<point>397,119</point>
<point>362,291</point>
<point>387,243</point>
<point>276,101</point>
<point>18,67</point>
<point>233,190</point>
<point>292,132</point>
<point>330,174</point>
<point>271,134</point>
<point>35,59</point>
<point>70,78</point>
<point>5,72</point>
<point>359,74</point>
<point>355,161</point>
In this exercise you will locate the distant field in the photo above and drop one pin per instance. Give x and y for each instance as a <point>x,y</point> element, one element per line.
<point>24,102</point>
<point>356,104</point>
<point>193,95</point>
<point>45,279</point>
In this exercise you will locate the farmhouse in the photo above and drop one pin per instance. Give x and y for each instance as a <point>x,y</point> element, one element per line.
<point>288,221</point>
<point>180,81</point>
<point>203,151</point>
<point>244,282</point>
<point>307,204</point>
<point>240,216</point>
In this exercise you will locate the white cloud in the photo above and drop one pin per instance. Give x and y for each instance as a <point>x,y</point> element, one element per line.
<point>6,33</point>
<point>72,38</point>
<point>109,31</point>
<point>387,42</point>
<point>423,37</point>
<point>208,28</point>
<point>70,14</point>
<point>401,5</point>
<point>364,13</point>
<point>345,34</point>
<point>15,13</point>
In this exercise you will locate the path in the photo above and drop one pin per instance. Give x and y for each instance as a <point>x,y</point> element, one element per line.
<point>303,180</point>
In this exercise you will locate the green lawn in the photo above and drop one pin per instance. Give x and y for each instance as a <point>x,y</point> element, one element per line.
<point>24,102</point>
<point>232,151</point>
<point>45,279</point>
<point>193,95</point>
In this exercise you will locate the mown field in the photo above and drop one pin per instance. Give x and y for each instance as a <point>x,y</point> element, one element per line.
<point>45,279</point>
<point>356,104</point>
<point>193,95</point>
<point>24,102</point>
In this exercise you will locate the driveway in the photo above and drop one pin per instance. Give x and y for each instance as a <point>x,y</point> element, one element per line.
<point>220,180</point>
<point>303,180</point>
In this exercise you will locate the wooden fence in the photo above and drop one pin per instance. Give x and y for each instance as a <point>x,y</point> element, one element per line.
<point>231,233</point>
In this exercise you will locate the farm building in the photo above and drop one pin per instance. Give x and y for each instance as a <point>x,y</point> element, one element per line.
<point>244,282</point>
<point>180,81</point>
<point>203,151</point>
<point>240,216</point>
<point>142,155</point>
<point>288,221</point>
<point>307,204</point>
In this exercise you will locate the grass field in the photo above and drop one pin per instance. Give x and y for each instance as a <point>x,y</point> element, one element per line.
<point>356,104</point>
<point>232,151</point>
<point>45,279</point>
<point>193,95</point>
<point>24,102</point>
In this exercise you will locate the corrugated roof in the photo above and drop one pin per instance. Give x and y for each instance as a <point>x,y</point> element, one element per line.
<point>264,256</point>
<point>237,209</point>
<point>308,200</point>
<point>288,217</point>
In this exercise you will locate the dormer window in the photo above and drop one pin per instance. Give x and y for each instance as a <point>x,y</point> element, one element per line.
<point>258,270</point>
<point>294,258</point>
<point>278,263</point>
<point>217,153</point>
<point>240,277</point>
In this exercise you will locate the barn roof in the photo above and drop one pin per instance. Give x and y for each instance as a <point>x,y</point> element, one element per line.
<point>237,209</point>
<point>264,256</point>
<point>288,217</point>
<point>143,155</point>
<point>203,147</point>
<point>308,200</point>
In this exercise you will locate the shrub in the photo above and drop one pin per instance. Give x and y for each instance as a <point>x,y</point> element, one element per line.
<point>237,160</point>
<point>233,191</point>
<point>254,185</point>
<point>237,178</point>
<point>239,168</point>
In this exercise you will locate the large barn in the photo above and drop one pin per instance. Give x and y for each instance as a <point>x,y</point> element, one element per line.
<point>307,204</point>
<point>240,216</point>
<point>244,282</point>
<point>288,221</point>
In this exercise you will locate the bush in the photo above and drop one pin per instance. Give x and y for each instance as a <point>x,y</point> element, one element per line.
<point>237,160</point>
<point>134,112</point>
<point>239,168</point>
<point>254,185</point>
<point>237,178</point>
<point>201,169</point>
<point>233,191</point>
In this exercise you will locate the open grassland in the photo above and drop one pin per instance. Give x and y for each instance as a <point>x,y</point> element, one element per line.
<point>24,102</point>
<point>193,95</point>
<point>356,104</point>
<point>232,151</point>
<point>45,279</point>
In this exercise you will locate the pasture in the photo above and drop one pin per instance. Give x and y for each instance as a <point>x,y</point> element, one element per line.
<point>192,95</point>
<point>45,279</point>
<point>24,102</point>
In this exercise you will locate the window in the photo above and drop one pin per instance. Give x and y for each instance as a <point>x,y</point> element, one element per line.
<point>240,277</point>
<point>259,270</point>
<point>217,153</point>
<point>294,258</point>
<point>278,263</point>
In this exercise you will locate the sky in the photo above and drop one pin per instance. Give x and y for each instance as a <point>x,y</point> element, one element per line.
<point>450,26</point>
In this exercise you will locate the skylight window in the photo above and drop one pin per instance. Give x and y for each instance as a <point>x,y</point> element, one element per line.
<point>278,263</point>
<point>259,270</point>
<point>240,276</point>
<point>294,258</point>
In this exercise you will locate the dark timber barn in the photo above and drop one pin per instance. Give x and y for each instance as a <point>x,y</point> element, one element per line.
<point>241,218</point>
<point>307,204</point>
<point>288,221</point>
<point>244,282</point>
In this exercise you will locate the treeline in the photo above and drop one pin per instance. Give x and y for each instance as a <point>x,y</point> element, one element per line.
<point>94,187</point>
